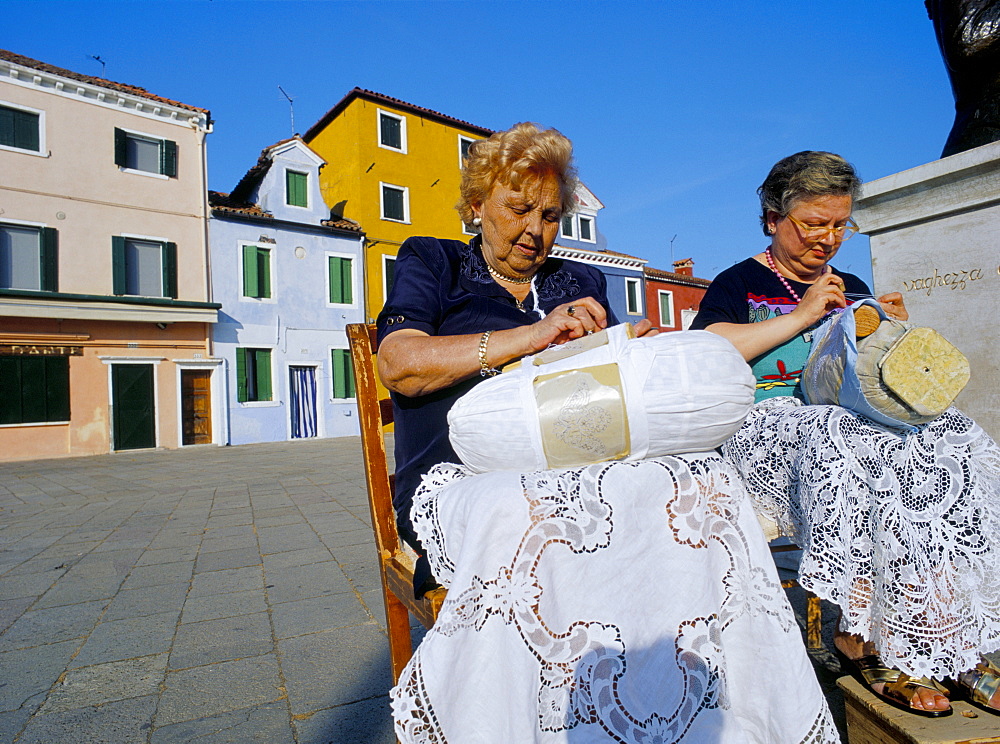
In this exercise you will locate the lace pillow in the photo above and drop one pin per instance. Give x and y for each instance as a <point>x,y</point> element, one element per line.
<point>605,397</point>
<point>892,372</point>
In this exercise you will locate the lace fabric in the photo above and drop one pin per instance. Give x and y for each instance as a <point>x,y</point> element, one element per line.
<point>618,602</point>
<point>898,529</point>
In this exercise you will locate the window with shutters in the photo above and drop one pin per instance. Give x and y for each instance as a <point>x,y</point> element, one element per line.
<point>257,271</point>
<point>633,304</point>
<point>144,267</point>
<point>36,389</point>
<point>391,131</point>
<point>340,279</point>
<point>342,374</point>
<point>29,257</point>
<point>395,203</point>
<point>253,375</point>
<point>22,129</point>
<point>296,189</point>
<point>388,276</point>
<point>666,300</point>
<point>143,153</point>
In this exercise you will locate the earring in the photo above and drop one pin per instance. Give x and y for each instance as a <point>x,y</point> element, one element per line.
<point>771,229</point>
<point>476,221</point>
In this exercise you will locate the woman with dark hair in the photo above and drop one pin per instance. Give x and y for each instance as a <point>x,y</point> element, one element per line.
<point>898,528</point>
<point>615,601</point>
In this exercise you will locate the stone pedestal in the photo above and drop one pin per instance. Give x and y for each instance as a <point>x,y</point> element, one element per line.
<point>935,237</point>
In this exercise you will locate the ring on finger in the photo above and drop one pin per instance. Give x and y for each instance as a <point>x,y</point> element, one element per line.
<point>571,310</point>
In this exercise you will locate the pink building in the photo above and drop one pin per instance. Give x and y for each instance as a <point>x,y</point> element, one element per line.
<point>105,306</point>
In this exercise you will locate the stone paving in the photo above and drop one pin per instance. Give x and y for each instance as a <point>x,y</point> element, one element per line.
<point>213,595</point>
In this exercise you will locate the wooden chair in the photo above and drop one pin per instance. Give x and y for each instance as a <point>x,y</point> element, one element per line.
<point>395,565</point>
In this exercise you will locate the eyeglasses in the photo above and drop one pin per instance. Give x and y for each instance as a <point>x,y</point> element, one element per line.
<point>840,233</point>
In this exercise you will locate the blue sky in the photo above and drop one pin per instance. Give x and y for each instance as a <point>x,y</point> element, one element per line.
<point>677,109</point>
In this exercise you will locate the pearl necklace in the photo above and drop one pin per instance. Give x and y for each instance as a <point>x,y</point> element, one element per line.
<point>497,275</point>
<point>770,262</point>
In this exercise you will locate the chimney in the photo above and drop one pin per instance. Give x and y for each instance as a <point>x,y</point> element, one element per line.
<point>684,267</point>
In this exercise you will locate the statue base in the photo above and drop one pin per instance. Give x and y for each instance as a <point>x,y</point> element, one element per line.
<point>935,237</point>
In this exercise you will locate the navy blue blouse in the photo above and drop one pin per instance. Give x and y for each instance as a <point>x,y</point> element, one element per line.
<point>442,287</point>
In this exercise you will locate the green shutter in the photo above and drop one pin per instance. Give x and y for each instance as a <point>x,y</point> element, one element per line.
<point>295,189</point>
<point>170,270</point>
<point>263,371</point>
<point>10,383</point>
<point>33,387</point>
<point>118,265</point>
<point>168,158</point>
<point>19,128</point>
<point>57,388</point>
<point>349,374</point>
<point>241,375</point>
<point>343,374</point>
<point>250,287</point>
<point>347,285</point>
<point>50,259</point>
<point>264,272</point>
<point>121,149</point>
<point>27,130</point>
<point>7,126</point>
<point>341,289</point>
<point>334,271</point>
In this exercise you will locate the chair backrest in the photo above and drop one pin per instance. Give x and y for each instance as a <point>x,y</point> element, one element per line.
<point>374,415</point>
<point>395,563</point>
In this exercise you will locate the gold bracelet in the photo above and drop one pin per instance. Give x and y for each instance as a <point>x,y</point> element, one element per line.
<point>484,368</point>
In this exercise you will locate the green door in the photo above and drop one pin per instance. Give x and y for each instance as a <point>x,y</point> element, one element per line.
<point>132,398</point>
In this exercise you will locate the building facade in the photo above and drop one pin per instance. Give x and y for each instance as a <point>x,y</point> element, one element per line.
<point>105,306</point>
<point>673,297</point>
<point>398,173</point>
<point>289,280</point>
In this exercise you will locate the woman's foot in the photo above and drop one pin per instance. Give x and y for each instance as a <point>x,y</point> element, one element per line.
<point>921,695</point>
<point>982,685</point>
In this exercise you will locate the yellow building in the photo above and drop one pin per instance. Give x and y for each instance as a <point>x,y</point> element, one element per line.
<point>395,169</point>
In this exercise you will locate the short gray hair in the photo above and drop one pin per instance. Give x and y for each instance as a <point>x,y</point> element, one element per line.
<point>803,176</point>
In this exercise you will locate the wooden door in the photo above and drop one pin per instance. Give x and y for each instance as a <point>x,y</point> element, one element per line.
<point>196,406</point>
<point>134,420</point>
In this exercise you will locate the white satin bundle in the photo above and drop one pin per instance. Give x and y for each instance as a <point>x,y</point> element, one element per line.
<point>605,397</point>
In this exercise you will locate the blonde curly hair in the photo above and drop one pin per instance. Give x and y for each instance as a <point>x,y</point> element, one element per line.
<point>522,152</point>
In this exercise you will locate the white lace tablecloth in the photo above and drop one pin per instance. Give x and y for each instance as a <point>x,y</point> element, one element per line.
<point>619,602</point>
<point>900,530</point>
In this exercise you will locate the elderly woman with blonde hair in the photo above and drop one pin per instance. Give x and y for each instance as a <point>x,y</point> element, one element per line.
<point>616,601</point>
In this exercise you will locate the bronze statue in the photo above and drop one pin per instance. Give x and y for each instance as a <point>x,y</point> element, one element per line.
<point>968,32</point>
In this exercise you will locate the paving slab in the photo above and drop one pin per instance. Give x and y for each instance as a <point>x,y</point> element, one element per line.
<point>121,722</point>
<point>267,724</point>
<point>215,689</point>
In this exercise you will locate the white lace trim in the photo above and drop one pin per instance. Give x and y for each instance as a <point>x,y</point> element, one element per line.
<point>898,529</point>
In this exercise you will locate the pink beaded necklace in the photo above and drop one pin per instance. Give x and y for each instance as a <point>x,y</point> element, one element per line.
<point>770,262</point>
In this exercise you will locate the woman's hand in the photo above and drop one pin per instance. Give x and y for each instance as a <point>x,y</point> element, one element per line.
<point>825,295</point>
<point>567,322</point>
<point>645,328</point>
<point>892,303</point>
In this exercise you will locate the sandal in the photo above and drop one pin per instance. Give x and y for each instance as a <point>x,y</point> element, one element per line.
<point>899,687</point>
<point>979,685</point>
